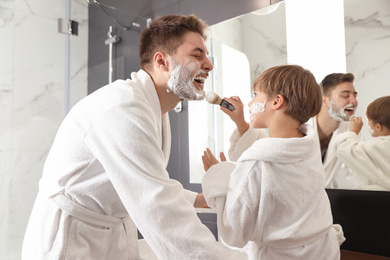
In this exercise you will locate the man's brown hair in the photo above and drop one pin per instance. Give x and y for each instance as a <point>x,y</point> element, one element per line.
<point>379,111</point>
<point>297,85</point>
<point>334,79</point>
<point>166,33</point>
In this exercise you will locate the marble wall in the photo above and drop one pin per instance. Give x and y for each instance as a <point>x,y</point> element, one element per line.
<point>367,43</point>
<point>32,87</point>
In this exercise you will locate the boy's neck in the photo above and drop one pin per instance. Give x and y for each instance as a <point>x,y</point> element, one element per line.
<point>284,126</point>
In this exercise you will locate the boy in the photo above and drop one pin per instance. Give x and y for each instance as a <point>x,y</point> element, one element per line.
<point>273,202</point>
<point>369,160</point>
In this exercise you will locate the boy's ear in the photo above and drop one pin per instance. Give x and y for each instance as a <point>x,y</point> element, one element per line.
<point>379,126</point>
<point>160,61</point>
<point>278,102</point>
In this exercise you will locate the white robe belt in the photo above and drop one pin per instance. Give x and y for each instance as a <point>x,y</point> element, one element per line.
<point>92,217</point>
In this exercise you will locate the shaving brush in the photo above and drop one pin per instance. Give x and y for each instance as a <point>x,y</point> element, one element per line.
<point>213,98</point>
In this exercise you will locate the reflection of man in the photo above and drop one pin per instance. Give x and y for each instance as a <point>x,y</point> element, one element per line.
<point>105,175</point>
<point>339,104</point>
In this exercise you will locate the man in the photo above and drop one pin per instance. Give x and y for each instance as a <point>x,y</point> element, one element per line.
<point>339,104</point>
<point>105,175</point>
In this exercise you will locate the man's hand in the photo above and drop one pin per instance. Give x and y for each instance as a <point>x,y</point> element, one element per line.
<point>200,201</point>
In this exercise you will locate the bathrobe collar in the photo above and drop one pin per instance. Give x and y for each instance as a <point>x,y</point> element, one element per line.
<point>150,92</point>
<point>283,150</point>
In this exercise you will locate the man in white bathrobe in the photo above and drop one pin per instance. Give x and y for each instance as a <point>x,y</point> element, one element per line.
<point>105,175</point>
<point>339,104</point>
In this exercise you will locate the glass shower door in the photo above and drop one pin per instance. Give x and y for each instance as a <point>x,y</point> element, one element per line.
<point>36,73</point>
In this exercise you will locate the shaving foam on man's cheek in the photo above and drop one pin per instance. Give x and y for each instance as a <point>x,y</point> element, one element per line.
<point>180,81</point>
<point>337,114</point>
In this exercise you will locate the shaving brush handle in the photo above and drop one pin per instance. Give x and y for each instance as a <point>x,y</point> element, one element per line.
<point>228,105</point>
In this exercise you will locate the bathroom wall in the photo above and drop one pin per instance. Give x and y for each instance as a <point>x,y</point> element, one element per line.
<point>32,80</point>
<point>367,41</point>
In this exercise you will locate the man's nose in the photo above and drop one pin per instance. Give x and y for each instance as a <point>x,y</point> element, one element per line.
<point>354,100</point>
<point>207,65</point>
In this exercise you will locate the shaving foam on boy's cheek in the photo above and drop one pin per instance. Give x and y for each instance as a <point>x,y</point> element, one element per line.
<point>257,107</point>
<point>370,130</point>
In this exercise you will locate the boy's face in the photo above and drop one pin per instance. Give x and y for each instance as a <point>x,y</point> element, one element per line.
<point>258,110</point>
<point>189,68</point>
<point>372,128</point>
<point>342,102</point>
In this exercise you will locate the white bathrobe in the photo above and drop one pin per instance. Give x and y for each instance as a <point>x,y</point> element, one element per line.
<point>108,161</point>
<point>337,174</point>
<point>275,203</point>
<point>369,160</point>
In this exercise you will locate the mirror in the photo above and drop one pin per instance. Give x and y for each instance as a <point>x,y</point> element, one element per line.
<point>355,38</point>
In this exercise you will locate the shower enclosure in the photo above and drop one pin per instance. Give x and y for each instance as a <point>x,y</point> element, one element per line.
<point>43,73</point>
<point>51,57</point>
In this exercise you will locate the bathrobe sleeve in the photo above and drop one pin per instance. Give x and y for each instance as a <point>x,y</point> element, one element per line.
<point>126,141</point>
<point>368,158</point>
<point>235,200</point>
<point>238,144</point>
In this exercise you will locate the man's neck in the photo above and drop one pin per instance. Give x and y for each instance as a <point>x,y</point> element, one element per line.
<point>325,124</point>
<point>168,100</point>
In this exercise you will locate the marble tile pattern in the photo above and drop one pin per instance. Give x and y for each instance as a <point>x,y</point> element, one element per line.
<point>32,86</point>
<point>367,40</point>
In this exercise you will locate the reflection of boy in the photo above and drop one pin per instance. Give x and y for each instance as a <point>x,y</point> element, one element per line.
<point>273,202</point>
<point>369,160</point>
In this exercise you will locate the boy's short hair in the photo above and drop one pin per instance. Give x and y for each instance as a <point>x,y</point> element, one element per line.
<point>334,79</point>
<point>165,34</point>
<point>297,85</point>
<point>379,111</point>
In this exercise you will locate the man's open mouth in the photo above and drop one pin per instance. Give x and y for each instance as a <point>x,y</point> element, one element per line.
<point>200,79</point>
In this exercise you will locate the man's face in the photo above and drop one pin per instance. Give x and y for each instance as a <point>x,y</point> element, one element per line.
<point>189,69</point>
<point>342,103</point>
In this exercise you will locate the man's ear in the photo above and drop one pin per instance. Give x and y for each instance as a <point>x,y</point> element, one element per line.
<point>278,102</point>
<point>160,61</point>
<point>325,101</point>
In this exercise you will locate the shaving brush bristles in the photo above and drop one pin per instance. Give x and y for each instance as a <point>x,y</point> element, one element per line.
<point>213,98</point>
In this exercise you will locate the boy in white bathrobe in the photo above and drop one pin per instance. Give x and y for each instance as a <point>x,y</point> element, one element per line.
<point>273,201</point>
<point>338,105</point>
<point>105,175</point>
<point>369,159</point>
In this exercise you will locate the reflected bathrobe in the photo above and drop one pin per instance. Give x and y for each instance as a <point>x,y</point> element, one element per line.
<point>273,202</point>
<point>105,176</point>
<point>368,159</point>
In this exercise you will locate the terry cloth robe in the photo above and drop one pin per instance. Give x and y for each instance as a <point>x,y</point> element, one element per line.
<point>274,202</point>
<point>337,174</point>
<point>369,159</point>
<point>105,175</point>
<point>238,144</point>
